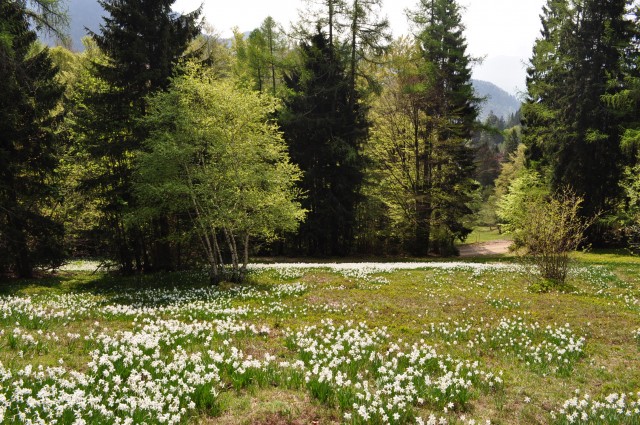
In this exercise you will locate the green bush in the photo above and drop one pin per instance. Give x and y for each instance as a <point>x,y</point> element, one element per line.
<point>552,228</point>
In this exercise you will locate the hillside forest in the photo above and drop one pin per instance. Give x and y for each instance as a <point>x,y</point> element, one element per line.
<point>161,146</point>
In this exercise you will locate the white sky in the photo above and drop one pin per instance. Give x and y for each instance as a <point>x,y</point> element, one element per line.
<point>501,31</point>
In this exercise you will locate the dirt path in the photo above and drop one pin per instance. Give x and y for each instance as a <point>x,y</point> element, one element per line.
<point>485,248</point>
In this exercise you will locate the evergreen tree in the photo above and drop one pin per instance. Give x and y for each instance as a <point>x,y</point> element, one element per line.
<point>323,15</point>
<point>275,49</point>
<point>48,16</point>
<point>511,142</point>
<point>572,135</point>
<point>445,175</point>
<point>29,96</point>
<point>257,59</point>
<point>324,130</point>
<point>142,41</point>
<point>486,143</point>
<point>369,36</point>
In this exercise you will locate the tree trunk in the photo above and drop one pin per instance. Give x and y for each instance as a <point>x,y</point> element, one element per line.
<point>162,260</point>
<point>272,61</point>
<point>24,268</point>
<point>245,256</point>
<point>231,242</point>
<point>423,228</point>
<point>354,28</point>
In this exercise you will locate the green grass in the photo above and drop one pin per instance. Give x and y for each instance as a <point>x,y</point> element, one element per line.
<point>487,318</point>
<point>485,234</point>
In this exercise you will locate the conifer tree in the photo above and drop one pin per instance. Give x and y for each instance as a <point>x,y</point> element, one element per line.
<point>445,167</point>
<point>572,135</point>
<point>275,48</point>
<point>29,144</point>
<point>368,36</point>
<point>324,131</point>
<point>142,41</point>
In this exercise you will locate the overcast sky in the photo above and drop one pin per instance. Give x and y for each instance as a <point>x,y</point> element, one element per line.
<point>501,31</point>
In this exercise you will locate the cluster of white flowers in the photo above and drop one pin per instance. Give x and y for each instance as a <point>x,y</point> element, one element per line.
<point>128,378</point>
<point>454,332</point>
<point>613,409</point>
<point>146,375</point>
<point>604,283</point>
<point>363,270</point>
<point>546,349</point>
<point>156,372</point>
<point>289,273</point>
<point>35,312</point>
<point>280,291</point>
<point>348,365</point>
<point>599,277</point>
<point>161,355</point>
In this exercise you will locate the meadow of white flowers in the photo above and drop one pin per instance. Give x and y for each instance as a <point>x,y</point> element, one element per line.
<point>165,355</point>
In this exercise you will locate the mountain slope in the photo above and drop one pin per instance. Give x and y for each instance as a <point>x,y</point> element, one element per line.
<point>497,100</point>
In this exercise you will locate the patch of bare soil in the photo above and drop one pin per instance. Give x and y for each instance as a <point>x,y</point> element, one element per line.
<point>485,248</point>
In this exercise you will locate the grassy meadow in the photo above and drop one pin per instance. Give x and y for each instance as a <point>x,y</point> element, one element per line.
<point>483,234</point>
<point>363,343</point>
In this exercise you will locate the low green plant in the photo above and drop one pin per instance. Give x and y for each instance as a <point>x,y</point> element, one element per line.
<point>552,229</point>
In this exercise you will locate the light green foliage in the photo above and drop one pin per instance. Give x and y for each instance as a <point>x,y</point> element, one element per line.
<point>527,188</point>
<point>393,149</point>
<point>419,144</point>
<point>212,51</point>
<point>68,62</point>
<point>550,229</point>
<point>260,59</point>
<point>515,186</point>
<point>631,185</point>
<point>81,212</point>
<point>510,170</point>
<point>213,153</point>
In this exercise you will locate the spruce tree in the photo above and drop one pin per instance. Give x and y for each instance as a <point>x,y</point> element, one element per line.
<point>324,130</point>
<point>142,40</point>
<point>445,169</point>
<point>29,144</point>
<point>572,135</point>
<point>368,37</point>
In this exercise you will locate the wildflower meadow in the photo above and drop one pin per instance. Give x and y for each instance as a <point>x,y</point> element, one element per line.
<point>351,343</point>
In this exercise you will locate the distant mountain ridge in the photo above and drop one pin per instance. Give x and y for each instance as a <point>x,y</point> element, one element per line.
<point>498,101</point>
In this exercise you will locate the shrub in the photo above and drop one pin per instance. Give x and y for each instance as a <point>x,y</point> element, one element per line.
<point>552,229</point>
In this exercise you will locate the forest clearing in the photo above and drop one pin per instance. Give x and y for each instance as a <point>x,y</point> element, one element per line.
<point>470,251</point>
<point>355,343</point>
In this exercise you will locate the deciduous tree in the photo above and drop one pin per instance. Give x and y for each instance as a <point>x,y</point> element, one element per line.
<point>214,155</point>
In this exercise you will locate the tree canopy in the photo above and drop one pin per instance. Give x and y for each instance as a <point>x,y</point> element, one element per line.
<point>214,156</point>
